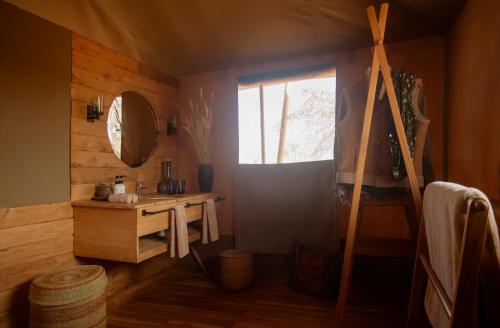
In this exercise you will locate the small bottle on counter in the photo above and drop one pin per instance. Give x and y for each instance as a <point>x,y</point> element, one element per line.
<point>119,187</point>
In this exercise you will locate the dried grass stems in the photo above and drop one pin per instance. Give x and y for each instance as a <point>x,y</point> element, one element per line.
<point>198,125</point>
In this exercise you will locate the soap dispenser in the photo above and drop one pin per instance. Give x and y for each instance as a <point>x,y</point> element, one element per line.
<point>119,187</point>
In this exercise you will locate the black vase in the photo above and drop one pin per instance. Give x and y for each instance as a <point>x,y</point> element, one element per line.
<point>205,177</point>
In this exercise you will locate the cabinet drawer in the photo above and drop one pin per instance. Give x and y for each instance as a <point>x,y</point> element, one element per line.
<point>194,213</point>
<point>152,223</point>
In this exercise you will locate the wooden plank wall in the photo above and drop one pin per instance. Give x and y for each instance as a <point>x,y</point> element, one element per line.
<point>473,111</point>
<point>38,239</point>
<point>33,240</point>
<point>97,70</point>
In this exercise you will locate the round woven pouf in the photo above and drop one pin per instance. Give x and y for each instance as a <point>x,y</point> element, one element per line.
<point>236,269</point>
<point>70,298</point>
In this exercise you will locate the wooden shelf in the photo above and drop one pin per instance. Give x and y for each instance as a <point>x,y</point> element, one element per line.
<point>389,199</point>
<point>193,235</point>
<point>150,246</point>
<point>384,247</point>
<point>148,201</point>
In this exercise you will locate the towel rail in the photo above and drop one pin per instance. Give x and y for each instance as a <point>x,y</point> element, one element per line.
<point>148,213</point>
<point>217,199</point>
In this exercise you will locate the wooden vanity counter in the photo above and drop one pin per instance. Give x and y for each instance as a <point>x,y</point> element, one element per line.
<point>129,232</point>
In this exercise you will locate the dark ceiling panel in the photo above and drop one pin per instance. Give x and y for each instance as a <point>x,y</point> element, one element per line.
<point>188,36</point>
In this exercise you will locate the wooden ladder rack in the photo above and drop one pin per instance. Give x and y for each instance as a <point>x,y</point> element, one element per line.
<point>379,63</point>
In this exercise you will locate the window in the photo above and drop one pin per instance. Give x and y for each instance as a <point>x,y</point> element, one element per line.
<point>287,121</point>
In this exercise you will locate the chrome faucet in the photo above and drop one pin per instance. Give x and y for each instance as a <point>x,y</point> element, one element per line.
<point>139,190</point>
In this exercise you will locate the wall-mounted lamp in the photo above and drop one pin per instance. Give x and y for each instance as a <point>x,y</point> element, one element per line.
<point>172,125</point>
<point>95,108</point>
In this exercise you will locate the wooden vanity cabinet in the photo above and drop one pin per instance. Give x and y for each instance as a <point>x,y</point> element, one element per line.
<point>129,232</point>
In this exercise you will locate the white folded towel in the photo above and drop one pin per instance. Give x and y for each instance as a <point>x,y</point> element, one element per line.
<point>126,198</point>
<point>179,231</point>
<point>444,223</point>
<point>209,222</point>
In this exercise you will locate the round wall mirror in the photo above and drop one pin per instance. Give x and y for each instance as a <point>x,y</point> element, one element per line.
<point>132,128</point>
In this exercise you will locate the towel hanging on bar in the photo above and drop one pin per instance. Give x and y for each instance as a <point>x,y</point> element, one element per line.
<point>210,227</point>
<point>179,231</point>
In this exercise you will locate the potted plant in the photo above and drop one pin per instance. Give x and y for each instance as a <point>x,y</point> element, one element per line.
<point>197,123</point>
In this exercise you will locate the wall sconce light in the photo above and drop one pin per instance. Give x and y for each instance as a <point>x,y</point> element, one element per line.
<point>172,125</point>
<point>95,108</point>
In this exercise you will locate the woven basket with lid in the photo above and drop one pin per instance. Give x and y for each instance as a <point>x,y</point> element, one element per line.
<point>70,298</point>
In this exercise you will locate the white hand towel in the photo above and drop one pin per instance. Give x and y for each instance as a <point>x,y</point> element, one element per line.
<point>209,222</point>
<point>123,198</point>
<point>444,224</point>
<point>179,231</point>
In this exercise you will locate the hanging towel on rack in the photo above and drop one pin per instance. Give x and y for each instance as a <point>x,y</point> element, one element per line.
<point>179,232</point>
<point>444,225</point>
<point>209,222</point>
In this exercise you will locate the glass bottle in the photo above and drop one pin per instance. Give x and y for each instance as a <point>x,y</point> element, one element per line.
<point>166,181</point>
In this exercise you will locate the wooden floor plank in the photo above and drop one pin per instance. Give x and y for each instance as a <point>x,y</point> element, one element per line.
<point>189,299</point>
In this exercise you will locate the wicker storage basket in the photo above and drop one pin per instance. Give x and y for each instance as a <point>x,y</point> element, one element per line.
<point>236,269</point>
<point>74,297</point>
